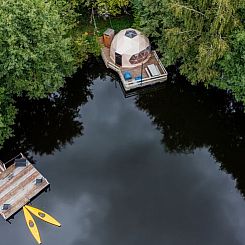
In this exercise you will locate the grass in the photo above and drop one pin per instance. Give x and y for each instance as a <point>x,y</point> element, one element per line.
<point>116,23</point>
<point>90,37</point>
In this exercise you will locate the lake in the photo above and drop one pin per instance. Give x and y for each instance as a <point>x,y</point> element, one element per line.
<point>165,166</point>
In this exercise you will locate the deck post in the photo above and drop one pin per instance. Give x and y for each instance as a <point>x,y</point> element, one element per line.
<point>141,73</point>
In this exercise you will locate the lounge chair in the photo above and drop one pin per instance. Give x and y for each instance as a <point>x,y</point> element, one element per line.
<point>138,78</point>
<point>127,75</point>
<point>153,70</point>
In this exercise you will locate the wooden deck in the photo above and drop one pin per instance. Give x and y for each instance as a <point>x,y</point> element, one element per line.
<point>136,71</point>
<point>18,186</point>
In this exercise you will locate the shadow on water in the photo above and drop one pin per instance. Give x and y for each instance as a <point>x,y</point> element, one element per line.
<point>190,117</point>
<point>46,125</point>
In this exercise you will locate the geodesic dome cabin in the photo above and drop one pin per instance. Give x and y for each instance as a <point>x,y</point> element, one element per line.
<point>130,48</point>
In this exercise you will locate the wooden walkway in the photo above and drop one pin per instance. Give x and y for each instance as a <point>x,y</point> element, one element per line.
<point>136,71</point>
<point>19,184</point>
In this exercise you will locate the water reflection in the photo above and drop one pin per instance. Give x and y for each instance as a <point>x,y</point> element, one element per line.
<point>117,183</point>
<point>45,125</point>
<point>191,117</point>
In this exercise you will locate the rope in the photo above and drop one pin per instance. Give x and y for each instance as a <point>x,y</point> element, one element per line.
<point>110,22</point>
<point>92,17</point>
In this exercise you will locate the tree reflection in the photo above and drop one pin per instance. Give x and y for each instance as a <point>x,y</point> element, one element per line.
<point>190,117</point>
<point>45,125</point>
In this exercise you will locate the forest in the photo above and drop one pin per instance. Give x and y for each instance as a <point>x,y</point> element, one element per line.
<point>44,42</point>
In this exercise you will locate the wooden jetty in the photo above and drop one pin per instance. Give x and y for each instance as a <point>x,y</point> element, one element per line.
<point>129,54</point>
<point>147,79</point>
<point>20,182</point>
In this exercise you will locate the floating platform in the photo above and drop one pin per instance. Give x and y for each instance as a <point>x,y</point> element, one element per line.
<point>147,77</point>
<point>20,182</point>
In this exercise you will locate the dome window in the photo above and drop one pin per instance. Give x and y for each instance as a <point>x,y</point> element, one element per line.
<point>130,33</point>
<point>140,57</point>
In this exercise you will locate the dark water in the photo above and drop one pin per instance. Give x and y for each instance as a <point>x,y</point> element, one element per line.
<point>166,167</point>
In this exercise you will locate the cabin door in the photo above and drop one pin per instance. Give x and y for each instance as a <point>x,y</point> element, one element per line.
<point>118,59</point>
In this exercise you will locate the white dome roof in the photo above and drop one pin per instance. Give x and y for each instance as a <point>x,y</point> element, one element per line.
<point>128,43</point>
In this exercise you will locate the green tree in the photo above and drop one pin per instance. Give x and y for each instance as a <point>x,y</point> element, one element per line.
<point>36,52</point>
<point>198,33</point>
<point>232,67</point>
<point>7,115</point>
<point>103,7</point>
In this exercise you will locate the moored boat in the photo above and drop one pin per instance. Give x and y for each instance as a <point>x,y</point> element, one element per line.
<point>32,225</point>
<point>43,216</point>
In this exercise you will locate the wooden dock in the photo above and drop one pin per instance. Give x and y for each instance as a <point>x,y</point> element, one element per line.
<point>20,182</point>
<point>147,79</point>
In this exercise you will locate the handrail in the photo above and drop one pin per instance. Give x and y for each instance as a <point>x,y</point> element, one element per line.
<point>20,154</point>
<point>144,82</point>
<point>134,84</point>
<point>2,166</point>
<point>113,66</point>
<point>159,61</point>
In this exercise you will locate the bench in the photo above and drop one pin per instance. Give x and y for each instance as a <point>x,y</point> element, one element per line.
<point>154,71</point>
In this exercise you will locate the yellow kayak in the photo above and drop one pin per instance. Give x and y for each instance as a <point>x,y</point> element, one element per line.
<point>43,216</point>
<point>32,225</point>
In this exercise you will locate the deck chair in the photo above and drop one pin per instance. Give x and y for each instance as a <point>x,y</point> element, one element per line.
<point>127,75</point>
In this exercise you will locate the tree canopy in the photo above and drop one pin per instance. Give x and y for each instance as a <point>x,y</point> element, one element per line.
<point>232,67</point>
<point>103,7</point>
<point>36,52</point>
<point>190,118</point>
<point>206,36</point>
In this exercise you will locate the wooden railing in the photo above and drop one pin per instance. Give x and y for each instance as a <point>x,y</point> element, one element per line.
<point>131,84</point>
<point>160,63</point>
<point>113,66</point>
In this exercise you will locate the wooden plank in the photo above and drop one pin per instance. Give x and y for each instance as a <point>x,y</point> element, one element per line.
<point>7,172</point>
<point>17,181</point>
<point>25,199</point>
<point>17,174</point>
<point>21,193</point>
<point>18,186</point>
<point>15,190</point>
